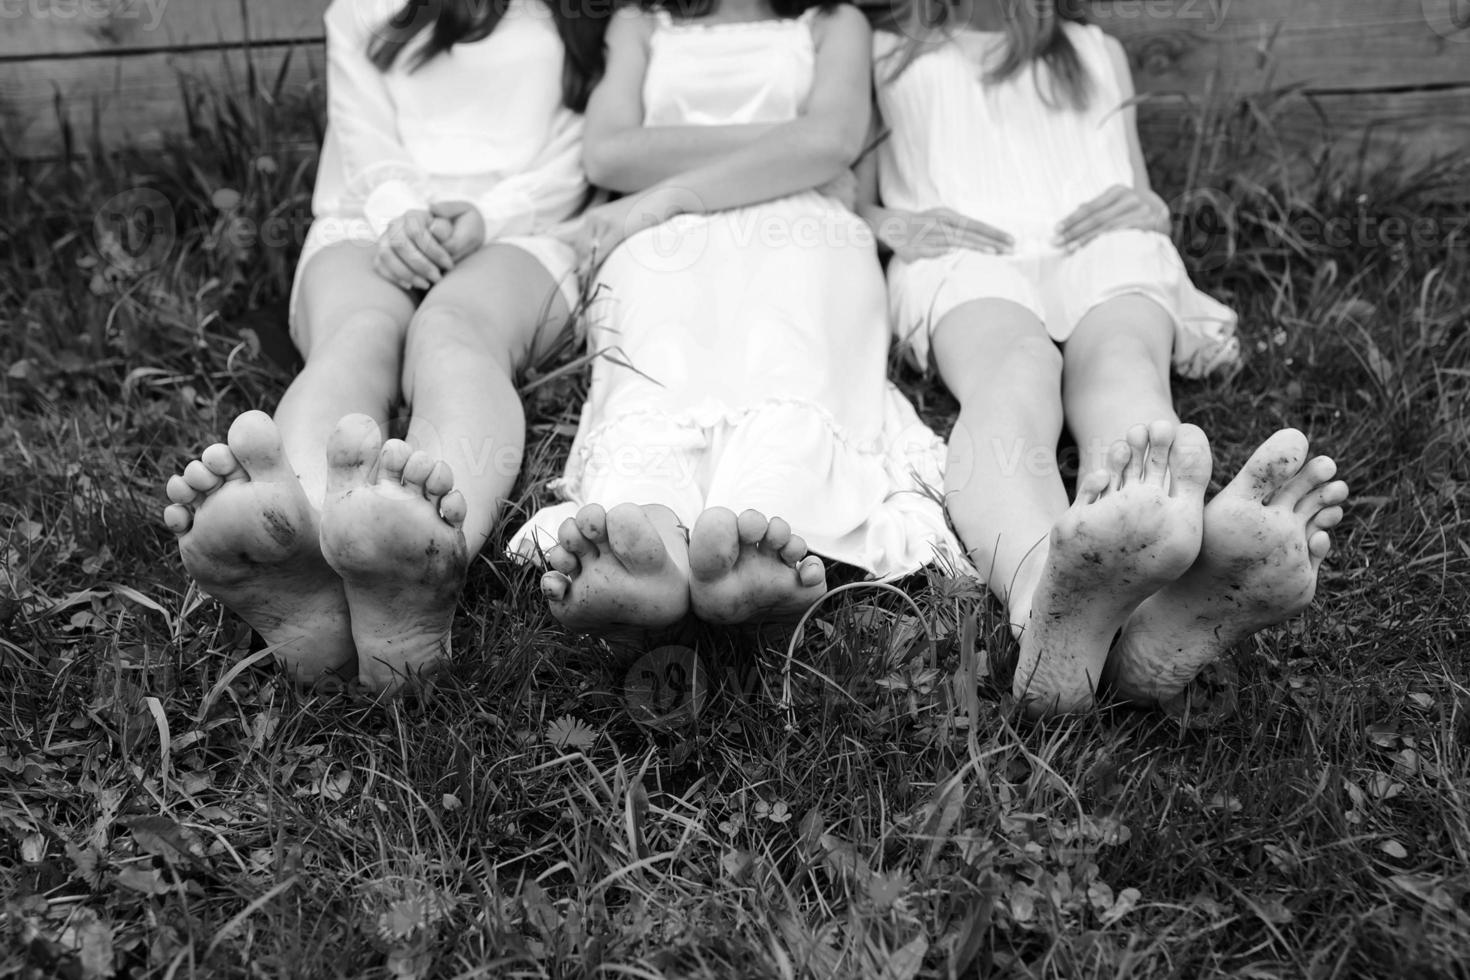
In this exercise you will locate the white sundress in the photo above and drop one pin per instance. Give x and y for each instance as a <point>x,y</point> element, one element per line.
<point>1001,154</point>
<point>745,352</point>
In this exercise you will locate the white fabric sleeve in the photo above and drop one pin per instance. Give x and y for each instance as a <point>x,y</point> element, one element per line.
<point>379,174</point>
<point>549,190</point>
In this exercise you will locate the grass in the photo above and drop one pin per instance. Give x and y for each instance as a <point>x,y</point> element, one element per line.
<point>872,808</point>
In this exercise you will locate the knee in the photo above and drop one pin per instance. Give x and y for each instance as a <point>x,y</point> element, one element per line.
<point>449,331</point>
<point>364,334</point>
<point>1122,355</point>
<point>1026,362</point>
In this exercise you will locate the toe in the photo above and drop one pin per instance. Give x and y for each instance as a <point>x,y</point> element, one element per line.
<point>714,544</point>
<point>778,535</point>
<point>1271,465</point>
<point>180,492</point>
<point>256,443</point>
<point>1160,446</point>
<point>453,509</point>
<point>352,451</point>
<point>200,478</point>
<point>563,561</point>
<point>416,471</point>
<point>794,551</point>
<point>555,586</point>
<point>571,539</point>
<point>220,461</point>
<point>178,518</point>
<point>751,525</point>
<point>1092,486</point>
<point>1190,463</point>
<point>1137,441</point>
<point>1318,499</point>
<point>811,573</point>
<point>592,522</point>
<point>1325,519</point>
<point>1120,454</point>
<point>392,459</point>
<point>633,538</point>
<point>440,481</point>
<point>1319,545</point>
<point>1316,472</point>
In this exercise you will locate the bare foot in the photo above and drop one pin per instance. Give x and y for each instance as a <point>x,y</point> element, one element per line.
<point>1132,529</point>
<point>248,534</point>
<point>748,568</point>
<point>1264,540</point>
<point>612,571</point>
<point>391,529</point>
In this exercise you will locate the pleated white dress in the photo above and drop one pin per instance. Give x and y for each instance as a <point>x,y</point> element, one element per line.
<point>1002,154</point>
<point>745,352</point>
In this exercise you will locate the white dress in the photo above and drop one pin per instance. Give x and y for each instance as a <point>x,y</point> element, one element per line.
<point>1001,154</point>
<point>745,352</point>
<point>483,122</point>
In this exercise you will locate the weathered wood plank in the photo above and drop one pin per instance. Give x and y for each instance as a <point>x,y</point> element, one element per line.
<point>1322,44</point>
<point>46,28</point>
<point>136,100</point>
<point>1411,126</point>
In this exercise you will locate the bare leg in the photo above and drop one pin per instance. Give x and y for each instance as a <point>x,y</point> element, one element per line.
<point>1265,536</point>
<point>351,328</point>
<point>1133,528</point>
<point>390,528</point>
<point>248,510</point>
<point>473,331</point>
<point>1117,374</point>
<point>1002,486</point>
<point>619,570</point>
<point>750,568</point>
<point>248,535</point>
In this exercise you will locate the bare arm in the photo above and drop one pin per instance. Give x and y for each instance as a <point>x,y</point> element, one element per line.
<point>1124,73</point>
<point>799,155</point>
<point>1122,206</point>
<point>618,151</point>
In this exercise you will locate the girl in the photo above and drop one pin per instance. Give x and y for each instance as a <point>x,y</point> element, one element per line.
<point>1032,259</point>
<point>741,420</point>
<point>453,142</point>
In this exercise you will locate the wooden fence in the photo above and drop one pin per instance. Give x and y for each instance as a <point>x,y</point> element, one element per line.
<point>1394,71</point>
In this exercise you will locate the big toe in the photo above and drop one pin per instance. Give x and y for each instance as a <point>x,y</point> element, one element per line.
<point>1161,435</point>
<point>352,450</point>
<point>1273,463</point>
<point>1190,462</point>
<point>634,540</point>
<point>714,544</point>
<point>255,441</point>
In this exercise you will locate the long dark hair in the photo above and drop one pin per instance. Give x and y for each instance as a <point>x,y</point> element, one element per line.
<point>692,9</point>
<point>1033,33</point>
<point>580,24</point>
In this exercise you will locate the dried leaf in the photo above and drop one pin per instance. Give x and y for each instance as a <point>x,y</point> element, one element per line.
<point>146,881</point>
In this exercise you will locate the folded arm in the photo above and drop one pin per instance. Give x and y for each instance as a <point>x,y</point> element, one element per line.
<point>714,168</point>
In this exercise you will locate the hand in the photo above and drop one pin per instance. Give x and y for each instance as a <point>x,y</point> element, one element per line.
<point>459,227</point>
<point>843,189</point>
<point>1114,209</point>
<point>925,234</point>
<point>607,226</point>
<point>409,255</point>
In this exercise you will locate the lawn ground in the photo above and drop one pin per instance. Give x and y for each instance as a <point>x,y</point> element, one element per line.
<point>873,807</point>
